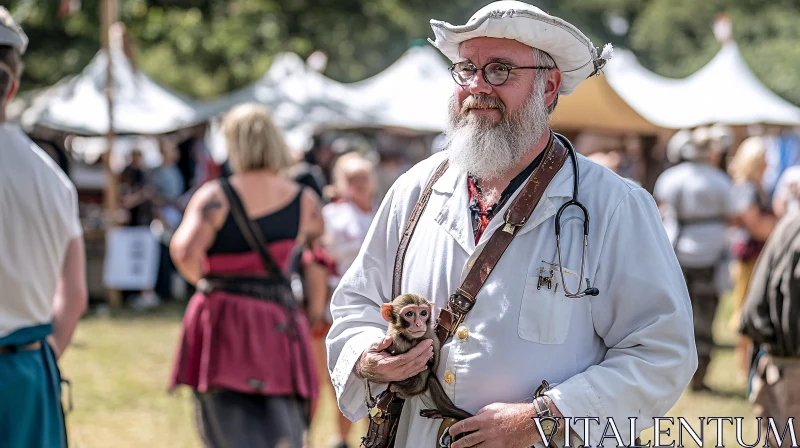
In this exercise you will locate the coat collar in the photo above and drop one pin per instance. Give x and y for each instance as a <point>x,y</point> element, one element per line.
<point>454,216</point>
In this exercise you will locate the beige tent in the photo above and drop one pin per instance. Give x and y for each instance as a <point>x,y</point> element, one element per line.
<point>595,106</point>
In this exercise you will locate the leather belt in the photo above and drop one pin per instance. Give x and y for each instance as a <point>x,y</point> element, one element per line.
<point>21,348</point>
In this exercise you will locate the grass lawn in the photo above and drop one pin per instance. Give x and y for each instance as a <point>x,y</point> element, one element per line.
<point>119,367</point>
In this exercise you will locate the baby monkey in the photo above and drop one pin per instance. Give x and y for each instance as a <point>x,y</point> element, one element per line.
<point>411,322</point>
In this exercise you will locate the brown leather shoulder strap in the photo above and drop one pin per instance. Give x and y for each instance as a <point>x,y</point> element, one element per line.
<point>516,216</point>
<point>422,202</point>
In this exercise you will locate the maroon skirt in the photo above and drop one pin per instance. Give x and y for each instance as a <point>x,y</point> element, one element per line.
<point>241,343</point>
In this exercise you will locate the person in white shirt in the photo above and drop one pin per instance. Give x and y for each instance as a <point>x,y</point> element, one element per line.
<point>694,197</point>
<point>627,352</point>
<point>786,199</point>
<point>347,221</point>
<point>42,271</point>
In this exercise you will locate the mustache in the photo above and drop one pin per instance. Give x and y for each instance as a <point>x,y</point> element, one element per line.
<point>482,102</point>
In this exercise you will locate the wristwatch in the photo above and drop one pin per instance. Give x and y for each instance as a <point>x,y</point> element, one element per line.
<point>548,422</point>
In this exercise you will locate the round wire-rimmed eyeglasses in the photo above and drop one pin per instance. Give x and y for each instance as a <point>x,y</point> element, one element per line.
<point>494,73</point>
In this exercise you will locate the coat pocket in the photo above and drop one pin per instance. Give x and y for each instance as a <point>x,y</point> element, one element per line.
<point>545,314</point>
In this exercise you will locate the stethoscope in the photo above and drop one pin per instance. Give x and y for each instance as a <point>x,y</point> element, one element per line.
<point>590,290</point>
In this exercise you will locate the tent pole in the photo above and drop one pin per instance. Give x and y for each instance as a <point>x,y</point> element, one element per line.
<point>109,16</point>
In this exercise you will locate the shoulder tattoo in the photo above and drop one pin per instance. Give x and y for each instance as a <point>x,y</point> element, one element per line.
<point>211,207</point>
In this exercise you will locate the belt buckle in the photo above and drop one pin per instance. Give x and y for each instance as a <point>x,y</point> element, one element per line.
<point>443,437</point>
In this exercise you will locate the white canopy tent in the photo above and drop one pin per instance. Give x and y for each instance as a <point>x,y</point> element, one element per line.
<point>412,93</point>
<point>723,91</point>
<point>78,105</point>
<point>300,99</point>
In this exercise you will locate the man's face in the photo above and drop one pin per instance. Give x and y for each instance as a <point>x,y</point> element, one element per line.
<point>513,94</point>
<point>492,127</point>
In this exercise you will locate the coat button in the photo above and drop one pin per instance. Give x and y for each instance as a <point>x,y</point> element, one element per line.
<point>463,333</point>
<point>449,377</point>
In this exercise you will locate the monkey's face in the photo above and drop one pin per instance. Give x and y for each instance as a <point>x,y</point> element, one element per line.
<point>415,319</point>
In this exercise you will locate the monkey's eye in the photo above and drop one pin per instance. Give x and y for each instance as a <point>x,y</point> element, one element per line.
<point>423,313</point>
<point>409,314</point>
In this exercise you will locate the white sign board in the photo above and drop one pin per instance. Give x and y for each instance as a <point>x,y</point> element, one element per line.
<point>132,259</point>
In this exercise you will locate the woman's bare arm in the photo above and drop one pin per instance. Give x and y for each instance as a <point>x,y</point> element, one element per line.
<point>203,217</point>
<point>757,223</point>
<point>312,227</point>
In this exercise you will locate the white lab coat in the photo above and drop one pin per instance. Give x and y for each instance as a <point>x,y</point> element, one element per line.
<point>628,352</point>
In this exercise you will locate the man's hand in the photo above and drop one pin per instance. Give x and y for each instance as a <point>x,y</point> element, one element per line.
<point>379,366</point>
<point>501,425</point>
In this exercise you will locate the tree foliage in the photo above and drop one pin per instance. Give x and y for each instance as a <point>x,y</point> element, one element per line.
<point>208,47</point>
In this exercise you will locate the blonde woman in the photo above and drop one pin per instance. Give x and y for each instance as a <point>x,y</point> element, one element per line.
<point>753,223</point>
<point>347,221</point>
<point>246,345</point>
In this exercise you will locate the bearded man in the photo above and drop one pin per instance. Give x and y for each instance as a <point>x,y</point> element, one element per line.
<point>625,349</point>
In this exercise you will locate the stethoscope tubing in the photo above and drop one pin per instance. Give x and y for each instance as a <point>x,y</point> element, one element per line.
<point>573,202</point>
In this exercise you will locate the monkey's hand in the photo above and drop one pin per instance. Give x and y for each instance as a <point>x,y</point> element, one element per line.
<point>378,366</point>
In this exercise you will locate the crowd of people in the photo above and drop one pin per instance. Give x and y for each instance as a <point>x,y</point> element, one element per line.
<point>153,196</point>
<point>719,222</point>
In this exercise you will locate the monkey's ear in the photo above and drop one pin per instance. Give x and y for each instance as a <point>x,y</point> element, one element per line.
<point>386,311</point>
<point>431,309</point>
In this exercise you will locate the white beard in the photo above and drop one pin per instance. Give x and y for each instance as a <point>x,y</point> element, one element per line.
<point>490,151</point>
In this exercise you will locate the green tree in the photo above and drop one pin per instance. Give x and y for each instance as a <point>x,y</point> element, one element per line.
<point>675,38</point>
<point>206,48</point>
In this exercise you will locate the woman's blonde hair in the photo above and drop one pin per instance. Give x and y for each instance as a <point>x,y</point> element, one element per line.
<point>749,159</point>
<point>347,165</point>
<point>254,142</point>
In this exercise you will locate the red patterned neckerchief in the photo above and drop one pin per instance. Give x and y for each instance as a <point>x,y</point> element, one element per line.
<point>481,213</point>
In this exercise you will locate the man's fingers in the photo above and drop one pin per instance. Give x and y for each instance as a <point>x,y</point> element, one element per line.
<point>408,371</point>
<point>400,367</point>
<point>466,425</point>
<point>384,344</point>
<point>470,440</point>
<point>419,349</point>
<point>419,354</point>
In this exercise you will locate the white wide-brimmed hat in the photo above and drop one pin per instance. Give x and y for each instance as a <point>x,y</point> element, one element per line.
<point>574,54</point>
<point>10,33</point>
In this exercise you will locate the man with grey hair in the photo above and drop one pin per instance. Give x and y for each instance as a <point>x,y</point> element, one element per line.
<point>42,270</point>
<point>694,197</point>
<point>473,230</point>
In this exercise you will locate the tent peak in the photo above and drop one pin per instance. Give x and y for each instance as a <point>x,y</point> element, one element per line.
<point>723,28</point>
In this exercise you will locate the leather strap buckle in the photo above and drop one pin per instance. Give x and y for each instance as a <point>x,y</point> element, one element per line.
<point>459,306</point>
<point>460,303</point>
<point>456,324</point>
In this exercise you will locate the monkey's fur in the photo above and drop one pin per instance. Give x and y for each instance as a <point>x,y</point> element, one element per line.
<point>400,330</point>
